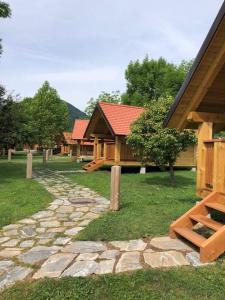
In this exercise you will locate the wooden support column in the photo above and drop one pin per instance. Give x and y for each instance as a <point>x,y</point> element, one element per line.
<point>117,150</point>
<point>29,166</point>
<point>99,149</point>
<point>9,154</point>
<point>95,147</point>
<point>44,157</point>
<point>219,167</point>
<point>205,132</point>
<point>78,149</point>
<point>105,151</point>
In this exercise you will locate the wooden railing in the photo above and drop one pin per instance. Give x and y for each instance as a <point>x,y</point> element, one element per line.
<point>213,169</point>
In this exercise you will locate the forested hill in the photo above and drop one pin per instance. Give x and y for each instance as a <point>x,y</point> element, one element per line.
<point>74,113</point>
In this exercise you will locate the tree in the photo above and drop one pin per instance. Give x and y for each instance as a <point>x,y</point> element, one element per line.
<point>152,79</point>
<point>11,120</point>
<point>46,117</point>
<point>5,12</point>
<point>113,97</point>
<point>153,143</point>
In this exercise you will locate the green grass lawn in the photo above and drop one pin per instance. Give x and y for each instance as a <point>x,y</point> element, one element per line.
<point>175,283</point>
<point>148,204</point>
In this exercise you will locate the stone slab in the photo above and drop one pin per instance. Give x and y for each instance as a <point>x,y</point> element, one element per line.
<point>129,261</point>
<point>85,247</point>
<point>10,252</point>
<point>54,265</point>
<point>132,245</point>
<point>16,274</point>
<point>165,259</point>
<point>87,256</point>
<point>166,243</point>
<point>105,266</point>
<point>109,254</point>
<point>81,268</point>
<point>37,254</point>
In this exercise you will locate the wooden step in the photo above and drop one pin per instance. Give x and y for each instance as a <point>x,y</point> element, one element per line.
<point>216,206</point>
<point>210,223</point>
<point>190,235</point>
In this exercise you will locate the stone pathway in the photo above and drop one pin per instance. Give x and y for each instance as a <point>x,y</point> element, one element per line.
<point>42,246</point>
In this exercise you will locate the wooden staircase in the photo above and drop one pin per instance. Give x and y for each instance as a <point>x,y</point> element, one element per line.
<point>212,247</point>
<point>94,165</point>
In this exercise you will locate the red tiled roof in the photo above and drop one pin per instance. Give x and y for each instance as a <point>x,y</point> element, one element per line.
<point>79,129</point>
<point>120,117</point>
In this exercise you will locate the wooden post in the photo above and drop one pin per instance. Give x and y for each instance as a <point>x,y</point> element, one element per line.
<point>115,188</point>
<point>205,132</point>
<point>3,151</point>
<point>29,166</point>
<point>47,154</point>
<point>44,157</point>
<point>71,153</point>
<point>105,151</point>
<point>99,148</point>
<point>219,167</point>
<point>78,149</point>
<point>9,154</point>
<point>117,150</point>
<point>95,147</point>
<point>51,152</point>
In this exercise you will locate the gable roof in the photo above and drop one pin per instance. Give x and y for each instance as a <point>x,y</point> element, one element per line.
<point>120,117</point>
<point>207,59</point>
<point>79,129</point>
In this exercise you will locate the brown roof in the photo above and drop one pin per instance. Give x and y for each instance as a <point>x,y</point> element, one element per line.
<point>79,129</point>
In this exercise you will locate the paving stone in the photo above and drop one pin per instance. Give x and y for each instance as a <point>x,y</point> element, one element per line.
<point>37,254</point>
<point>105,266</point>
<point>56,230</point>
<point>129,261</point>
<point>44,241</point>
<point>91,215</point>
<point>27,244</point>
<point>76,214</point>
<point>5,266</point>
<point>61,241</point>
<point>69,224</point>
<point>85,247</point>
<point>166,243</point>
<point>85,222</point>
<point>65,209</point>
<point>11,243</point>
<point>43,214</point>
<point>46,235</point>
<point>11,227</point>
<point>87,256</point>
<point>40,230</point>
<point>10,252</point>
<point>4,239</point>
<point>132,245</point>
<point>149,250</point>
<point>81,268</point>
<point>109,254</point>
<point>50,224</point>
<point>17,273</point>
<point>73,231</point>
<point>28,221</point>
<point>10,233</point>
<point>82,209</point>
<point>165,259</point>
<point>194,259</point>
<point>54,265</point>
<point>29,231</point>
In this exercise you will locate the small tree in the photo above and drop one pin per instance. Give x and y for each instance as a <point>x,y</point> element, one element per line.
<point>153,143</point>
<point>46,116</point>
<point>114,97</point>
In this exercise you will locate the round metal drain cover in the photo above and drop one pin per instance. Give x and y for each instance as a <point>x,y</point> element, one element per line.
<point>81,201</point>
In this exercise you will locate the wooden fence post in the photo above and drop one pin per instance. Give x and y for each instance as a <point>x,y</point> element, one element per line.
<point>44,157</point>
<point>3,151</point>
<point>51,152</point>
<point>47,154</point>
<point>9,154</point>
<point>29,166</point>
<point>115,188</point>
<point>71,153</point>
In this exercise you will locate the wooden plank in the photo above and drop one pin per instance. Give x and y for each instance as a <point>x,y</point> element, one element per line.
<point>115,188</point>
<point>190,235</point>
<point>217,206</point>
<point>219,167</point>
<point>200,117</point>
<point>210,223</point>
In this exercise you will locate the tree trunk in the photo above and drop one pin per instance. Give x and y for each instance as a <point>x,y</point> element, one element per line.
<point>172,177</point>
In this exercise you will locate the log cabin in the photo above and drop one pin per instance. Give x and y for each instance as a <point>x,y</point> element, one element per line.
<point>82,148</point>
<point>200,104</point>
<point>67,143</point>
<point>109,125</point>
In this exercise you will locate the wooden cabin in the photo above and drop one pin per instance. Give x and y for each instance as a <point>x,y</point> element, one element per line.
<point>200,104</point>
<point>82,148</point>
<point>67,143</point>
<point>109,125</point>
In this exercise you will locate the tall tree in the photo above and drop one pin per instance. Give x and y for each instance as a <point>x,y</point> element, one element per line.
<point>153,143</point>
<point>5,12</point>
<point>47,116</point>
<point>113,97</point>
<point>152,79</point>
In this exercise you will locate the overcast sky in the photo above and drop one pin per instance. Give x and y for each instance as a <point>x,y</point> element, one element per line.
<point>82,47</point>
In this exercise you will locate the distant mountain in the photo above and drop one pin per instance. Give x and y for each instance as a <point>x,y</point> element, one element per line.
<point>74,113</point>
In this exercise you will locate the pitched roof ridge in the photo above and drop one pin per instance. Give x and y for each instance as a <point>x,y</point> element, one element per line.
<point>118,104</point>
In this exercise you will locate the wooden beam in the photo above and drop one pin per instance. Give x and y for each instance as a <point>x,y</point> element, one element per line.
<point>219,167</point>
<point>99,149</point>
<point>117,149</point>
<point>105,151</point>
<point>200,117</point>
<point>205,132</point>
<point>203,87</point>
